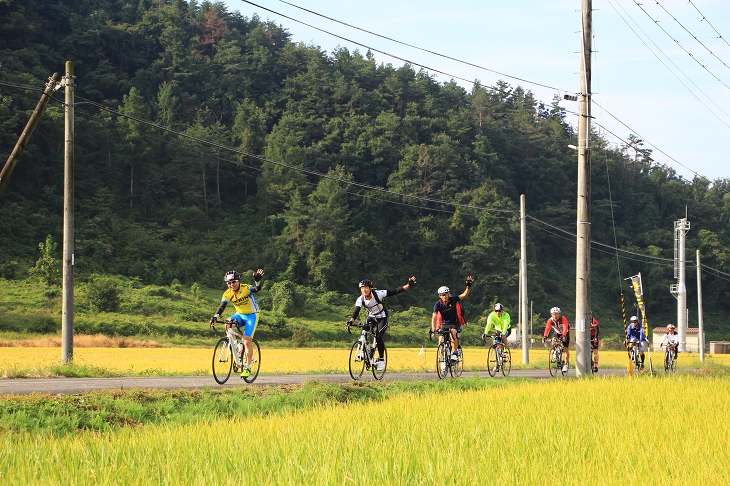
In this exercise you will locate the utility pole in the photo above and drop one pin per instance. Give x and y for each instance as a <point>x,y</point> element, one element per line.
<point>700,318</point>
<point>12,161</point>
<point>523,281</point>
<point>679,290</point>
<point>583,251</point>
<point>67,308</point>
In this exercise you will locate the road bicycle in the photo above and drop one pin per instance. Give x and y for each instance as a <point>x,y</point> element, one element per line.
<point>635,355</point>
<point>499,356</point>
<point>445,364</point>
<point>362,354</point>
<point>593,363</point>
<point>555,363</point>
<point>228,353</point>
<point>670,362</point>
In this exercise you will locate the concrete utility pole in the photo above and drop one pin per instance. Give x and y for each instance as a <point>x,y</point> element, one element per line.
<point>700,318</point>
<point>523,282</point>
<point>67,308</point>
<point>28,130</point>
<point>583,252</point>
<point>681,227</point>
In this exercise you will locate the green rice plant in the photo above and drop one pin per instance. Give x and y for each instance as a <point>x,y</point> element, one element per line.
<point>598,431</point>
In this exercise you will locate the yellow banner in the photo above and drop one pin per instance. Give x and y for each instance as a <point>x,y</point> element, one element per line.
<point>639,292</point>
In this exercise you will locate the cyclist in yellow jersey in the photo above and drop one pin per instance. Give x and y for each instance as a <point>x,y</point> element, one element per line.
<point>247,311</point>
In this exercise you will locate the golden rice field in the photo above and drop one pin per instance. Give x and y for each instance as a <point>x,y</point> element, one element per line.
<point>197,361</point>
<point>601,431</point>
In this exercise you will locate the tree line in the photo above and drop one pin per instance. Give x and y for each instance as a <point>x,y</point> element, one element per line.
<point>324,167</point>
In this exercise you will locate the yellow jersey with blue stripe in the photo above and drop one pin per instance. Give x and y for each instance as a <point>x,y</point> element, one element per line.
<point>244,302</point>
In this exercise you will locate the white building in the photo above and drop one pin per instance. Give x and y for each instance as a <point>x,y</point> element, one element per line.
<point>693,338</point>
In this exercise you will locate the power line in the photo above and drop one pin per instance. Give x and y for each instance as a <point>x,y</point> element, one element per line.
<point>672,62</point>
<point>291,167</point>
<point>656,22</point>
<point>418,48</point>
<point>704,19</point>
<point>693,36</point>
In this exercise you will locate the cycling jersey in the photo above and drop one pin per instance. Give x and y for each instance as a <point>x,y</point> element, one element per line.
<point>244,303</point>
<point>500,323</point>
<point>561,326</point>
<point>595,333</point>
<point>635,333</point>
<point>670,339</point>
<point>447,312</point>
<point>374,305</point>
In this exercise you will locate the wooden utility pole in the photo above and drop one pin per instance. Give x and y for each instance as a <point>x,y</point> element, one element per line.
<point>67,310</point>
<point>28,131</point>
<point>523,282</point>
<point>583,252</point>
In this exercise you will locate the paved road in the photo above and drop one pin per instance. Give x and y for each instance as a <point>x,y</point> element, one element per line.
<point>55,386</point>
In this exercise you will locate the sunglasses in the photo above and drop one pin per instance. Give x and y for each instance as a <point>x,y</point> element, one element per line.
<point>231,282</point>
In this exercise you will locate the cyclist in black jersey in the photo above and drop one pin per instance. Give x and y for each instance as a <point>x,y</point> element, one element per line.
<point>377,318</point>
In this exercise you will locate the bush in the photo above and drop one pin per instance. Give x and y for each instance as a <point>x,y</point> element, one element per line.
<point>284,298</point>
<point>276,324</point>
<point>102,294</point>
<point>302,336</point>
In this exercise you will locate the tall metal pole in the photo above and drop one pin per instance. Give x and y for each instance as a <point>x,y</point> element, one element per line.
<point>67,308</point>
<point>28,130</point>
<point>523,281</point>
<point>583,252</point>
<point>700,318</point>
<point>682,226</point>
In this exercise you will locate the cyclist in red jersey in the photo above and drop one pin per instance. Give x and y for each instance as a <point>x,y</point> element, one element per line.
<point>595,341</point>
<point>562,329</point>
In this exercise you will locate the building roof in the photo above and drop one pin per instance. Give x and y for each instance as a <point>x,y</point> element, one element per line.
<point>690,330</point>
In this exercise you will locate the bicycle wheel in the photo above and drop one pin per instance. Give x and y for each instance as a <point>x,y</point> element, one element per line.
<point>357,360</point>
<point>379,373</point>
<point>442,357</point>
<point>222,361</point>
<point>506,361</point>
<point>492,361</point>
<point>458,368</point>
<point>255,362</point>
<point>554,361</point>
<point>667,361</point>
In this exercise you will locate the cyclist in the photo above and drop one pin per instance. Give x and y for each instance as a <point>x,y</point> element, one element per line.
<point>447,310</point>
<point>672,340</point>
<point>595,341</point>
<point>562,329</point>
<point>499,320</point>
<point>377,319</point>
<point>247,311</point>
<point>635,336</point>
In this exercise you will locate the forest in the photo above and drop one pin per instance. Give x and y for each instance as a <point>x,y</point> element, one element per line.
<point>207,141</point>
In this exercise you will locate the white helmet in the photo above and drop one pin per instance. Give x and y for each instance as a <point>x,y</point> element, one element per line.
<point>555,310</point>
<point>443,290</point>
<point>634,318</point>
<point>671,327</point>
<point>498,307</point>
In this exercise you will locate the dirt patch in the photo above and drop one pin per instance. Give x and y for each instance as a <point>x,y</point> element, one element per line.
<point>82,341</point>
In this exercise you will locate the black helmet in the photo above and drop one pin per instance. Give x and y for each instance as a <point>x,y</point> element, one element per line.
<point>498,307</point>
<point>366,283</point>
<point>232,275</point>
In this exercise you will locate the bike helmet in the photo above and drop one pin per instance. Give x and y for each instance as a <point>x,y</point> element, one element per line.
<point>498,307</point>
<point>443,290</point>
<point>671,327</point>
<point>365,283</point>
<point>232,275</point>
<point>634,319</point>
<point>555,310</point>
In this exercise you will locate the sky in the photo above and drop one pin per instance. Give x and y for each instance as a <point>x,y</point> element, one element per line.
<point>660,71</point>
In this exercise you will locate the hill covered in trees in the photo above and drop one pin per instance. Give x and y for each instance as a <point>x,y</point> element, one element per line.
<point>324,168</point>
